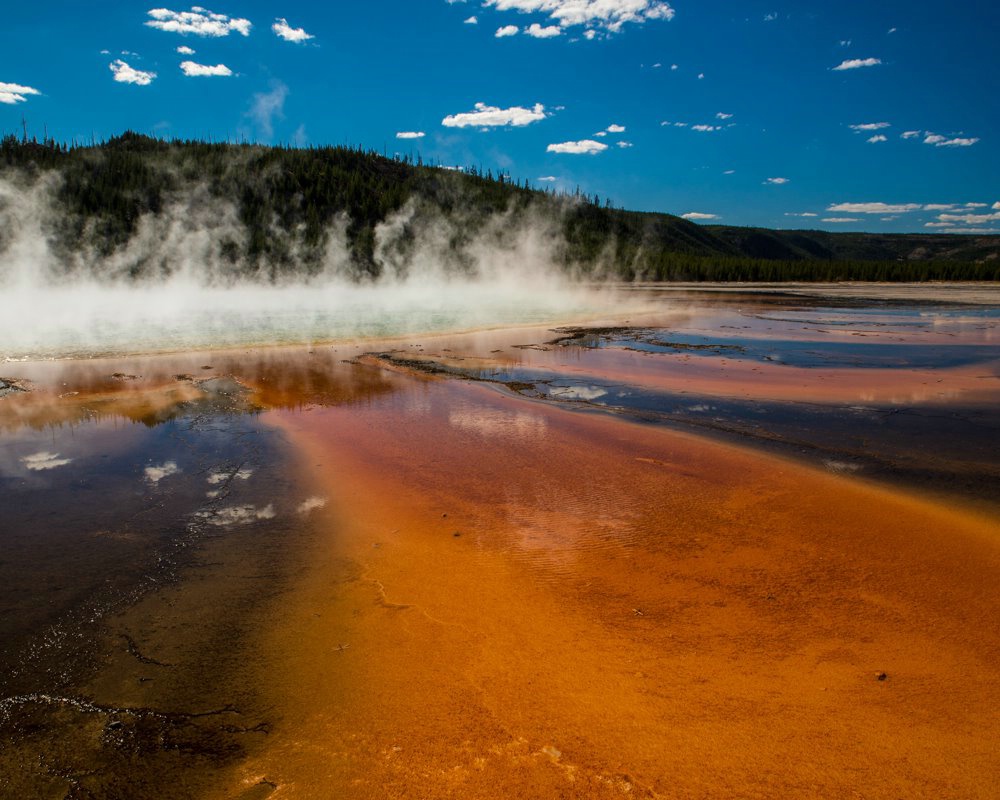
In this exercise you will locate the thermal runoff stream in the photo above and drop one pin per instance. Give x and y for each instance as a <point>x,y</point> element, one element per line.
<point>498,538</point>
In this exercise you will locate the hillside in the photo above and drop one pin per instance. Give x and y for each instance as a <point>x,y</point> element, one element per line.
<point>136,206</point>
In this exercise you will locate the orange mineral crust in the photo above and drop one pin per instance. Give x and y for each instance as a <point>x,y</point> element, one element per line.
<point>515,600</point>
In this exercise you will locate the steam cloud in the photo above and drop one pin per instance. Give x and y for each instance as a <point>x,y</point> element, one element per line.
<point>172,286</point>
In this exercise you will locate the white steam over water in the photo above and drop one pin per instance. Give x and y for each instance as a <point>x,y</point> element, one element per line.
<point>59,306</point>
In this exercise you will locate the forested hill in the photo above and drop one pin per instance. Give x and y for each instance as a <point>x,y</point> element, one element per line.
<point>275,211</point>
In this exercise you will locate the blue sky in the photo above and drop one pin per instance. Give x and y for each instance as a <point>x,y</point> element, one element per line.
<point>854,115</point>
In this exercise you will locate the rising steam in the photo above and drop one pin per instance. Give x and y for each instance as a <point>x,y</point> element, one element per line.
<point>175,285</point>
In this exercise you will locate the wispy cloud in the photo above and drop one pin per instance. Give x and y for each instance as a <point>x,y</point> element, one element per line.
<point>193,70</point>
<point>11,93</point>
<point>957,142</point>
<point>706,128</point>
<point>723,115</point>
<point>800,214</point>
<point>285,31</point>
<point>582,147</point>
<point>878,137</point>
<point>548,179</point>
<point>604,15</point>
<point>870,126</point>
<point>623,144</point>
<point>699,215</point>
<point>857,63</point>
<point>875,208</point>
<point>777,181</point>
<point>484,116</point>
<point>909,134</point>
<point>840,219</point>
<point>198,21</point>
<point>410,135</point>
<point>266,106</point>
<point>125,74</point>
<point>969,219</point>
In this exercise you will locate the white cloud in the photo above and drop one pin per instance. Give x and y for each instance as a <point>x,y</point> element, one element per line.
<point>608,15</point>
<point>955,142</point>
<point>875,208</point>
<point>471,20</point>
<point>184,50</point>
<point>723,115</point>
<point>485,116</point>
<point>548,178</point>
<point>193,70</point>
<point>969,219</point>
<point>157,474</point>
<point>845,43</point>
<point>701,76</point>
<point>840,219</point>
<point>410,135</point>
<point>699,215</point>
<point>857,63</point>
<point>657,65</point>
<point>878,137</point>
<point>996,206</point>
<point>199,21</point>
<point>976,205</point>
<point>776,181</point>
<point>285,31</point>
<point>588,146</point>
<point>506,30</point>
<point>800,214</point>
<point>870,126</point>
<point>11,93</point>
<point>602,134</point>
<point>940,207</point>
<point>909,134</point>
<point>938,140</point>
<point>771,17</point>
<point>125,74</point>
<point>613,128</point>
<point>706,128</point>
<point>268,105</point>
<point>624,144</point>
<point>38,462</point>
<point>673,67</point>
<point>891,30</point>
<point>729,172</point>
<point>538,32</point>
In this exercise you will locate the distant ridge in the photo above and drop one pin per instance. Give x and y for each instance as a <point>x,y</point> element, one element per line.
<point>287,203</point>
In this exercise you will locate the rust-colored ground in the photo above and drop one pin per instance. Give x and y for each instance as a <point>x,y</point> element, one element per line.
<point>511,598</point>
<point>520,601</point>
